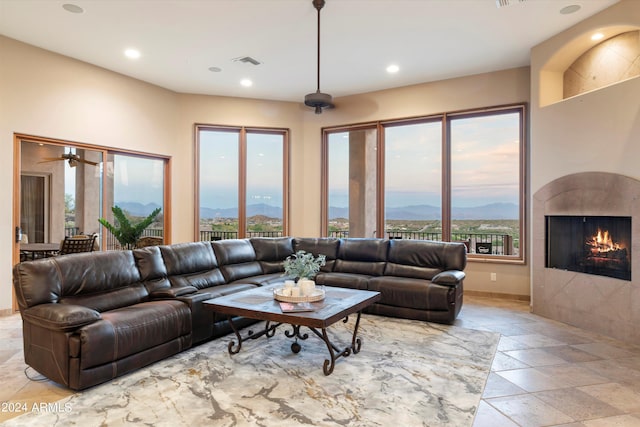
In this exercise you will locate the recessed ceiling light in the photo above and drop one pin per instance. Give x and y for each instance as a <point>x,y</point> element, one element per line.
<point>72,8</point>
<point>597,36</point>
<point>132,53</point>
<point>215,69</point>
<point>567,10</point>
<point>393,69</point>
<point>246,82</point>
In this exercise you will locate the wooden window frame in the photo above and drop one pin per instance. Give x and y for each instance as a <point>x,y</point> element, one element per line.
<point>445,118</point>
<point>242,172</point>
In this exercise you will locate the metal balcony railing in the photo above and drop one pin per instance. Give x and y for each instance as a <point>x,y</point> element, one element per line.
<point>477,243</point>
<point>113,244</point>
<point>208,235</point>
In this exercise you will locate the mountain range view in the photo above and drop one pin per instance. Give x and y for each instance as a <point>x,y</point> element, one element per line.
<point>416,212</point>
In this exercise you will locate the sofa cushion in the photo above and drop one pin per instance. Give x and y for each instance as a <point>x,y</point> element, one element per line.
<point>153,271</point>
<point>362,256</point>
<point>319,246</point>
<point>237,259</point>
<point>192,264</point>
<point>423,259</point>
<point>129,330</point>
<point>150,263</point>
<point>412,293</point>
<point>271,252</point>
<point>60,317</point>
<point>343,280</point>
<point>102,281</point>
<point>262,279</point>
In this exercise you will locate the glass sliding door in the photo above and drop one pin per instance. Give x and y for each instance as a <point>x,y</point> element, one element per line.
<point>136,185</point>
<point>66,187</point>
<point>68,197</point>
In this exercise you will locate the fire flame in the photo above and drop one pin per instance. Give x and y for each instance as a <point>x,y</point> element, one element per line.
<point>602,242</point>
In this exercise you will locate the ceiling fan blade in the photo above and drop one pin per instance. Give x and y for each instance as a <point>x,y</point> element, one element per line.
<point>89,162</point>
<point>51,159</point>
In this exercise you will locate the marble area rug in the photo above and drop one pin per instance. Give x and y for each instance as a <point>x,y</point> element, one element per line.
<point>408,373</point>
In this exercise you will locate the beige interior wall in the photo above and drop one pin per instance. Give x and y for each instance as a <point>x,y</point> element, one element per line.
<point>49,95</point>
<point>595,131</point>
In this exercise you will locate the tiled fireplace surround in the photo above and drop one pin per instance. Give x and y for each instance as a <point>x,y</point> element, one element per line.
<point>597,303</point>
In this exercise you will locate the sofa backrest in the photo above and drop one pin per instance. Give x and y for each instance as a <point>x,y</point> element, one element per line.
<point>362,256</point>
<point>423,259</point>
<point>191,264</point>
<point>98,280</point>
<point>327,246</point>
<point>271,252</point>
<point>236,258</point>
<point>153,272</point>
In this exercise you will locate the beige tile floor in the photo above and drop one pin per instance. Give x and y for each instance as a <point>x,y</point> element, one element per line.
<point>545,373</point>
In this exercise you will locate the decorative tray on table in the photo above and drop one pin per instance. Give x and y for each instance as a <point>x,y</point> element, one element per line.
<point>316,295</point>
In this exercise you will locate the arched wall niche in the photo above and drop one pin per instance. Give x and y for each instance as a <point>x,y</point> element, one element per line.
<point>552,74</point>
<point>614,60</point>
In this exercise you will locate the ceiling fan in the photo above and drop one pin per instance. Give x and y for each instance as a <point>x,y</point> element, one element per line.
<point>72,158</point>
<point>318,100</point>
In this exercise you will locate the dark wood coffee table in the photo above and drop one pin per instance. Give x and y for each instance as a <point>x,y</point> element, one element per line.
<point>259,304</point>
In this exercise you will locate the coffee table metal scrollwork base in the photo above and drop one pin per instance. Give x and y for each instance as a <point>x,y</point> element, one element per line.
<point>259,304</point>
<point>269,331</point>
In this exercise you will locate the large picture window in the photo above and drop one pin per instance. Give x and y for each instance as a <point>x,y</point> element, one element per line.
<point>453,177</point>
<point>242,182</point>
<point>485,181</point>
<point>351,176</point>
<point>413,180</point>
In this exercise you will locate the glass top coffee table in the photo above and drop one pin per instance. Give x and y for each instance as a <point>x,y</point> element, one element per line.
<point>260,304</point>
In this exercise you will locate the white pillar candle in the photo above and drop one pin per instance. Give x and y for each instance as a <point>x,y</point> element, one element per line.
<point>295,291</point>
<point>307,287</point>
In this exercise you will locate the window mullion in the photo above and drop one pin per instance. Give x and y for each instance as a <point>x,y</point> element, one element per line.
<point>242,183</point>
<point>446,178</point>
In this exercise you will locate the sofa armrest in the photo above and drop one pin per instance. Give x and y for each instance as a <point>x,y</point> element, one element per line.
<point>449,277</point>
<point>60,317</point>
<point>173,292</point>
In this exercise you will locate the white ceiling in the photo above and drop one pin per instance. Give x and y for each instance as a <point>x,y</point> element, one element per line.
<point>180,39</point>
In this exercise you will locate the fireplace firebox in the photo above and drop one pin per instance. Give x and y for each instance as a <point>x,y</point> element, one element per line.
<point>598,245</point>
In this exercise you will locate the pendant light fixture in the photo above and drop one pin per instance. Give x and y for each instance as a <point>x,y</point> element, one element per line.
<point>317,99</point>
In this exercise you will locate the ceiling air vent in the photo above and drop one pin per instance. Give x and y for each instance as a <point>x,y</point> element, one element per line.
<point>503,3</point>
<point>246,59</point>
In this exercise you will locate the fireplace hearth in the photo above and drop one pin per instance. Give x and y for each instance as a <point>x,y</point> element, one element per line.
<point>599,245</point>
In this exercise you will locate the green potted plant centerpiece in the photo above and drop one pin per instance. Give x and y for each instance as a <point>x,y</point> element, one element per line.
<point>303,265</point>
<point>126,233</point>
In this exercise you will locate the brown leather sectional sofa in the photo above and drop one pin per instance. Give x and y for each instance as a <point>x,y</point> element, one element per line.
<point>88,318</point>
